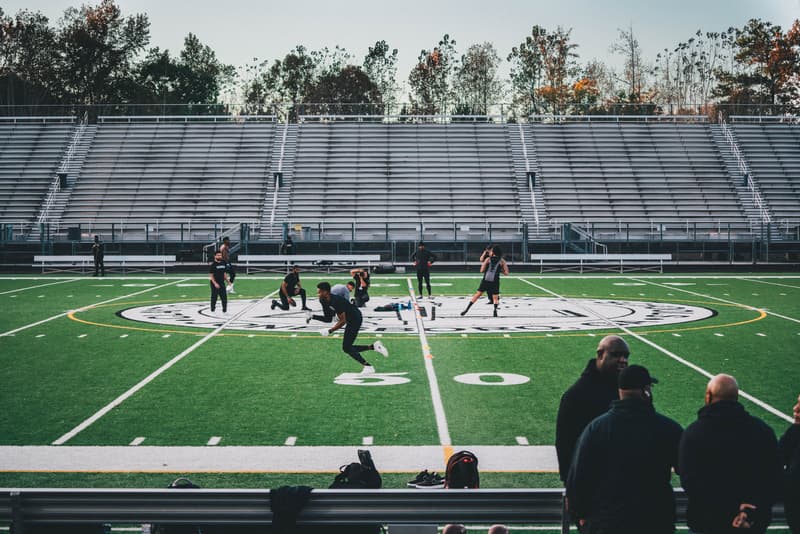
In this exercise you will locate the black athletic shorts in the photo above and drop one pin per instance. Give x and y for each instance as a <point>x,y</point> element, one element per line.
<point>489,287</point>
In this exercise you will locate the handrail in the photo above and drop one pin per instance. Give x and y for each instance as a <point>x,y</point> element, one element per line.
<point>227,233</point>
<point>186,118</point>
<point>280,171</point>
<point>619,118</point>
<point>527,173</point>
<point>744,168</point>
<point>23,507</point>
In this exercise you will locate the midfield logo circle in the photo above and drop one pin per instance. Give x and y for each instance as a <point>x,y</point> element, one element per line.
<point>441,315</point>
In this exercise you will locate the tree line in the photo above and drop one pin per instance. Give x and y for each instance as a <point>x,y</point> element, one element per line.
<point>96,55</point>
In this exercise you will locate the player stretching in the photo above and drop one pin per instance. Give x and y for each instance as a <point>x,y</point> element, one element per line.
<point>491,268</point>
<point>350,317</point>
<point>289,288</point>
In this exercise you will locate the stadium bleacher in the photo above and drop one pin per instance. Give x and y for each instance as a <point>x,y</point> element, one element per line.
<point>773,153</point>
<point>405,175</point>
<point>30,152</point>
<point>637,174</point>
<point>168,173</point>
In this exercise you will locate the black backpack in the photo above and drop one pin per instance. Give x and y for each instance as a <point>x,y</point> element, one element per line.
<point>361,475</point>
<point>462,471</point>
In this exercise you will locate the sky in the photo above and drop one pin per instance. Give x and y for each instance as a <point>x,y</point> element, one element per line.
<point>241,30</point>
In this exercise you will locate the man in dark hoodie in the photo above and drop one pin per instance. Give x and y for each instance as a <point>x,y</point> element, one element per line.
<point>589,397</point>
<point>619,479</point>
<point>789,447</point>
<point>729,465</point>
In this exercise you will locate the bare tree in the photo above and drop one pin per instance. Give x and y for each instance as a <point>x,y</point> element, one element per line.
<point>634,69</point>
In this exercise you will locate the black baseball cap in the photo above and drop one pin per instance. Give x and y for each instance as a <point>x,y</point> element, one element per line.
<point>635,377</point>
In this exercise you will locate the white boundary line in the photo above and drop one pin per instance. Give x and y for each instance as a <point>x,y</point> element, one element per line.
<point>152,376</point>
<point>40,285</point>
<point>750,279</point>
<point>672,355</point>
<point>85,308</point>
<point>436,396</point>
<point>672,288</point>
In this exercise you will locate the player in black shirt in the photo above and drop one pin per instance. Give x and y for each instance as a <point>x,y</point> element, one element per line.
<point>492,267</point>
<point>218,276</point>
<point>350,317</point>
<point>423,259</point>
<point>289,288</point>
<point>361,289</point>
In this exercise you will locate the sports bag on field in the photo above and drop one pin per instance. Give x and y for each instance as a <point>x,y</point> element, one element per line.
<point>462,471</point>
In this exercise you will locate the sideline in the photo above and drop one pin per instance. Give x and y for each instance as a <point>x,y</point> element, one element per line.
<point>672,355</point>
<point>152,376</point>
<point>263,459</point>
<point>436,396</point>
<point>85,308</point>
<point>40,285</point>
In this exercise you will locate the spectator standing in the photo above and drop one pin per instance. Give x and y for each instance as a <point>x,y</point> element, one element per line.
<point>98,253</point>
<point>287,247</point>
<point>423,260</point>
<point>619,478</point>
<point>729,465</point>
<point>590,396</point>
<point>789,447</point>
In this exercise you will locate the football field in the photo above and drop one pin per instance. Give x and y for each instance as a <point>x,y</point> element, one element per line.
<point>126,376</point>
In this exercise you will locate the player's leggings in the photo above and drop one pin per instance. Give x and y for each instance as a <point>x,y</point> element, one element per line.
<point>424,275</point>
<point>231,268</point>
<point>350,332</point>
<point>284,305</point>
<point>222,294</point>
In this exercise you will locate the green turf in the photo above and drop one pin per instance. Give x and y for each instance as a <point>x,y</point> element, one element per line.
<point>259,390</point>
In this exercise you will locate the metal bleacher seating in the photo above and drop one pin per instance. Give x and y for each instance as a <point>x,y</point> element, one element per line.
<point>404,179</point>
<point>197,172</point>
<point>772,151</point>
<point>31,149</point>
<point>637,177</point>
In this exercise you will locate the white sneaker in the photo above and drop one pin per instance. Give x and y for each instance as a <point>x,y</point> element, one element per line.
<point>379,347</point>
<point>368,370</point>
<point>309,314</point>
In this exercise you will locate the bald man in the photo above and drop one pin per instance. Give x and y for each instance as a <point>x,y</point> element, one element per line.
<point>729,465</point>
<point>789,447</point>
<point>589,397</point>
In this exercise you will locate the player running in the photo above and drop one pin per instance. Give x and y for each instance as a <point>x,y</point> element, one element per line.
<point>350,317</point>
<point>491,268</point>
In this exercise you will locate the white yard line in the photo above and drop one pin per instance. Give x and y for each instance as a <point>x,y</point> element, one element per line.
<point>661,349</point>
<point>436,396</point>
<point>85,308</point>
<point>152,376</point>
<point>40,285</point>
<point>748,279</point>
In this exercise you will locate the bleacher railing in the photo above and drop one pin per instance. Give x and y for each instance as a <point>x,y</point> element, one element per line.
<point>527,173</point>
<point>747,174</point>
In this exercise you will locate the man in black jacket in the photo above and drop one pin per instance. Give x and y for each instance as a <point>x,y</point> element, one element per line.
<point>589,397</point>
<point>619,479</point>
<point>789,447</point>
<point>729,465</point>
